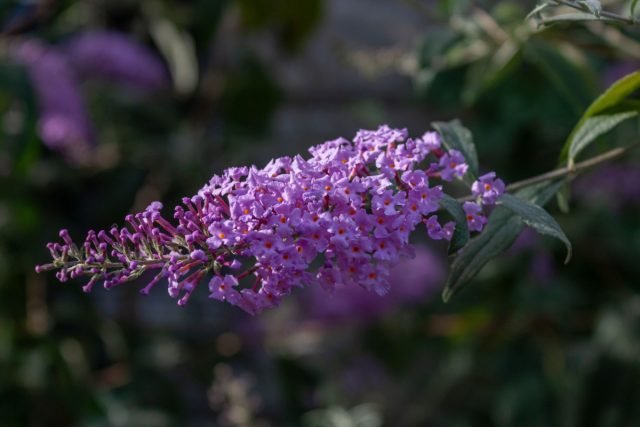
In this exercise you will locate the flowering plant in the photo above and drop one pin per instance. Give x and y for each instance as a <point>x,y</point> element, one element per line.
<point>343,216</point>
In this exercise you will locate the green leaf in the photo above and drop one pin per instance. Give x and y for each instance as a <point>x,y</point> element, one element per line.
<point>488,72</point>
<point>537,218</point>
<point>563,197</point>
<point>613,96</point>
<point>461,232</point>
<point>570,79</point>
<point>457,137</point>
<point>15,84</point>
<point>501,231</point>
<point>596,126</point>
<point>434,46</point>
<point>594,6</point>
<point>536,11</point>
<point>574,17</point>
<point>632,8</point>
<point>295,20</point>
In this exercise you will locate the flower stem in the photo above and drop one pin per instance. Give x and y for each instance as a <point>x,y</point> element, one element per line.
<point>570,171</point>
<point>574,170</point>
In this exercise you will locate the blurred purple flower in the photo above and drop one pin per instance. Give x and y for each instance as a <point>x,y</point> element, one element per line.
<point>414,281</point>
<point>615,186</point>
<point>115,57</point>
<point>542,267</point>
<point>364,374</point>
<point>618,70</point>
<point>526,240</point>
<point>64,124</point>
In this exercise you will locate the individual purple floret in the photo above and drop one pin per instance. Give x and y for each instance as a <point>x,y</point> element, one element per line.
<point>340,218</point>
<point>64,124</point>
<point>453,165</point>
<point>488,188</point>
<point>475,219</point>
<point>116,57</point>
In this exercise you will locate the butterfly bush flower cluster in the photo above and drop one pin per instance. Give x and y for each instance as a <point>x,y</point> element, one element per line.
<point>341,217</point>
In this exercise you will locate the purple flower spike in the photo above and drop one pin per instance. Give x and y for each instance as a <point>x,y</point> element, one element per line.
<point>488,188</point>
<point>118,58</point>
<point>340,218</point>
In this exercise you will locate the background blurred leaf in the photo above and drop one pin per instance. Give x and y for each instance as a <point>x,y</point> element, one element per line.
<point>488,72</point>
<point>293,20</point>
<point>432,55</point>
<point>364,415</point>
<point>594,6</point>
<point>178,48</point>
<point>574,17</point>
<point>250,97</point>
<point>536,10</point>
<point>18,104</point>
<point>569,79</point>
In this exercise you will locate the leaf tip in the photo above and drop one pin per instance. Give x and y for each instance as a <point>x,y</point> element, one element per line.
<point>447,293</point>
<point>569,254</point>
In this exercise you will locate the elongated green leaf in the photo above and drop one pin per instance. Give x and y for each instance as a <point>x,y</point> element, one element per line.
<point>574,17</point>
<point>536,11</point>
<point>614,95</point>
<point>594,6</point>
<point>569,78</point>
<point>596,126</point>
<point>632,7</point>
<point>537,218</point>
<point>457,137</point>
<point>564,197</point>
<point>485,74</point>
<point>432,56</point>
<point>502,229</point>
<point>461,232</point>
<point>612,98</point>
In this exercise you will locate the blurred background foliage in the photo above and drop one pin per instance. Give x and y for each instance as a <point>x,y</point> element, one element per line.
<point>194,86</point>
